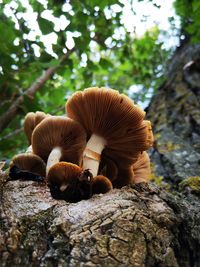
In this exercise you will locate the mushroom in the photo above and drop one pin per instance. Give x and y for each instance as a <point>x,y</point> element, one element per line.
<point>123,173</point>
<point>113,123</point>
<point>101,184</point>
<point>59,139</point>
<point>31,121</point>
<point>141,169</point>
<point>68,181</point>
<point>27,166</point>
<point>29,125</point>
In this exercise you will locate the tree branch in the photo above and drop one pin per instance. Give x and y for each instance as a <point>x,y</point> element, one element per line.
<point>6,118</point>
<point>13,133</point>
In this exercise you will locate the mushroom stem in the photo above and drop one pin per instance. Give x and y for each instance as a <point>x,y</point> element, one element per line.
<point>29,149</point>
<point>92,153</point>
<point>54,157</point>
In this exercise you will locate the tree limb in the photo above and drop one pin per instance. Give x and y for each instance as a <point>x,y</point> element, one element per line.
<point>6,118</point>
<point>11,134</point>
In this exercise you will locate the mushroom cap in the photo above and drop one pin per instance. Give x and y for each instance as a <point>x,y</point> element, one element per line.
<point>101,184</point>
<point>63,173</point>
<point>68,181</point>
<point>31,121</point>
<point>60,132</point>
<point>29,162</point>
<point>113,116</point>
<point>141,168</point>
<point>39,116</point>
<point>29,125</point>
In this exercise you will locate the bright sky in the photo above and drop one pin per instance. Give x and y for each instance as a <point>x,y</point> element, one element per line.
<point>154,16</point>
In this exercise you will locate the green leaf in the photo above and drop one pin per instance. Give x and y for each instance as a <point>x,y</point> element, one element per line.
<point>105,63</point>
<point>45,25</point>
<point>52,63</point>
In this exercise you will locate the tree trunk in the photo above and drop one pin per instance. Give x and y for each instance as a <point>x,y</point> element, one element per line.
<point>175,115</point>
<point>139,225</point>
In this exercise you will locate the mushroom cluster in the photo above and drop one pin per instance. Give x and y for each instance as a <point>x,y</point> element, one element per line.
<point>100,144</point>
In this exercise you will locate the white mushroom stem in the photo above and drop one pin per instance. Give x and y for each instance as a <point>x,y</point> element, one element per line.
<point>29,149</point>
<point>54,157</point>
<point>92,153</point>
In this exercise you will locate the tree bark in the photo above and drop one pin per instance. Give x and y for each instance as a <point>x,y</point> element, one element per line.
<point>175,115</point>
<point>138,225</point>
<point>135,226</point>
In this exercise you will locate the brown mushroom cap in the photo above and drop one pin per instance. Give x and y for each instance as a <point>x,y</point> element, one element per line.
<point>29,125</point>
<point>67,181</point>
<point>29,162</point>
<point>39,116</point>
<point>141,168</point>
<point>113,116</point>
<point>101,184</point>
<point>31,121</point>
<point>60,132</point>
<point>63,173</point>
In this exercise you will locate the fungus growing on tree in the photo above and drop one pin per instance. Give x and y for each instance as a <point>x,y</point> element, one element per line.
<point>114,125</point>
<point>141,168</point>
<point>31,121</point>
<point>101,184</point>
<point>27,166</point>
<point>69,182</point>
<point>122,173</point>
<point>59,139</point>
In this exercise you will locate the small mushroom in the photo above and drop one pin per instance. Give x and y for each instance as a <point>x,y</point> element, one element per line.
<point>141,169</point>
<point>27,166</point>
<point>59,139</point>
<point>29,125</point>
<point>114,124</point>
<point>67,181</point>
<point>122,173</point>
<point>101,184</point>
<point>31,121</point>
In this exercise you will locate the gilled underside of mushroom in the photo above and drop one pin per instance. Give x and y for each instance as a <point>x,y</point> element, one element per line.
<point>113,122</point>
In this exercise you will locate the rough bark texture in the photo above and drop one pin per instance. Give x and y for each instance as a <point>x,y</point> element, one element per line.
<point>135,226</point>
<point>175,115</point>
